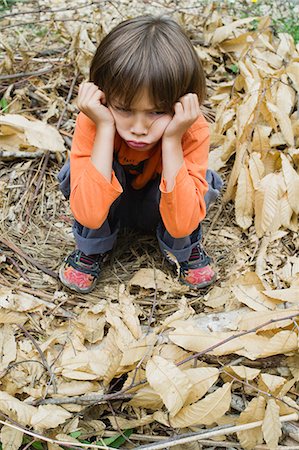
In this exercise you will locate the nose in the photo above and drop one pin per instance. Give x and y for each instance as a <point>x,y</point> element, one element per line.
<point>139,125</point>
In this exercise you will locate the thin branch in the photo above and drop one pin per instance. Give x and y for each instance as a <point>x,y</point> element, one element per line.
<point>49,11</point>
<point>53,441</point>
<point>28,258</point>
<point>83,399</point>
<point>153,305</point>
<point>27,74</point>
<point>235,336</point>
<point>178,440</point>
<point>267,394</point>
<point>43,358</point>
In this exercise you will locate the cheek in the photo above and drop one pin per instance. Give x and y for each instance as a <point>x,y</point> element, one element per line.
<point>160,124</point>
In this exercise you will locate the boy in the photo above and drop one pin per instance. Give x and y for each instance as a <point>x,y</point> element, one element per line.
<point>140,151</point>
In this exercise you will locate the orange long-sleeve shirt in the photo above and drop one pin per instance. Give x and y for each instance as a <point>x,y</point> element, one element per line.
<point>181,209</point>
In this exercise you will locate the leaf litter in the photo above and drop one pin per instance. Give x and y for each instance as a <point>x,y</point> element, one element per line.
<point>143,352</point>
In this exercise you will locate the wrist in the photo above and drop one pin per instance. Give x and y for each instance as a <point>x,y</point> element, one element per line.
<point>105,128</point>
<point>172,140</point>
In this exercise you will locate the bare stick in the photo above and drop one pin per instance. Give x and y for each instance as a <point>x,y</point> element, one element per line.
<point>37,187</point>
<point>20,252</point>
<point>235,336</point>
<point>18,268</point>
<point>43,358</point>
<point>69,95</point>
<point>53,441</point>
<point>83,399</point>
<point>211,433</point>
<point>26,74</point>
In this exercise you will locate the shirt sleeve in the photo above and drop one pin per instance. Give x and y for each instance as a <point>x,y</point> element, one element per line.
<point>91,193</point>
<point>183,208</point>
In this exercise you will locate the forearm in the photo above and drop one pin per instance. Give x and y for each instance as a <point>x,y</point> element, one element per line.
<point>102,152</point>
<point>172,160</point>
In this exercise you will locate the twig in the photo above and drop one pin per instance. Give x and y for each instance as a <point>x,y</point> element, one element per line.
<point>26,74</point>
<point>211,433</point>
<point>43,358</point>
<point>12,365</point>
<point>68,98</point>
<point>266,394</point>
<point>116,423</point>
<point>22,24</point>
<point>235,336</point>
<point>28,258</point>
<point>83,399</point>
<point>49,11</point>
<point>53,441</point>
<point>153,305</point>
<point>215,219</point>
<point>37,187</point>
<point>18,268</point>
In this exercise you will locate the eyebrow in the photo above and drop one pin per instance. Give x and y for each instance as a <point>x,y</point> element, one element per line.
<point>117,105</point>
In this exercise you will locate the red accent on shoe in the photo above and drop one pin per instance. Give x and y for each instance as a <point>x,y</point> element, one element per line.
<point>80,272</point>
<point>78,281</point>
<point>199,278</point>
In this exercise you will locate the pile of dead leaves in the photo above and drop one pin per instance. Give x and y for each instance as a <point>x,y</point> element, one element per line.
<point>257,119</point>
<point>71,359</point>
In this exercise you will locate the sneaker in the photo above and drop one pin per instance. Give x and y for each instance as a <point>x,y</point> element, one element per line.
<point>197,272</point>
<point>80,272</point>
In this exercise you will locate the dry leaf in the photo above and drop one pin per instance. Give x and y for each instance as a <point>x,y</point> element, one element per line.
<point>254,411</point>
<point>244,199</point>
<point>271,383</point>
<point>147,397</point>
<point>226,31</point>
<point>243,372</point>
<point>171,383</point>
<point>157,280</point>
<point>290,295</point>
<point>271,424</point>
<point>202,378</point>
<point>125,424</point>
<point>16,409</point>
<point>129,312</point>
<point>49,416</point>
<point>8,346</point>
<point>11,438</point>
<point>18,133</point>
<point>203,412</point>
<point>292,182</point>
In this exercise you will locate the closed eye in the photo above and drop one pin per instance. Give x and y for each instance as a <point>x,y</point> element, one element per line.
<point>120,109</point>
<point>157,113</point>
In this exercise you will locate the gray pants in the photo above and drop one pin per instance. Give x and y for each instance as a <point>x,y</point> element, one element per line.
<point>137,209</point>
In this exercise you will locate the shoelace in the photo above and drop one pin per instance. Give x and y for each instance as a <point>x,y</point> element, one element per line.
<point>87,260</point>
<point>197,253</point>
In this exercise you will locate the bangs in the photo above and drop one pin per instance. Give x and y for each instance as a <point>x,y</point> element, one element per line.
<point>147,53</point>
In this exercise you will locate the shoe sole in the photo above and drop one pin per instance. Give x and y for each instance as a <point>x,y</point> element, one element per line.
<point>201,285</point>
<point>73,287</point>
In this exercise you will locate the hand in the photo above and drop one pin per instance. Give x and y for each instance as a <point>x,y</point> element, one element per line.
<point>186,111</point>
<point>92,102</point>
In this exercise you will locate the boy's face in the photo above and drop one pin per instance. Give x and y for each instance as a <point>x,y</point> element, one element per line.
<point>141,126</point>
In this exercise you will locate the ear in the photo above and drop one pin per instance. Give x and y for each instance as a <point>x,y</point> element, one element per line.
<point>103,98</point>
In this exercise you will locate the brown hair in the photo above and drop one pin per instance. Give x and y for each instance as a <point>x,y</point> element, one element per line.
<point>148,52</point>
